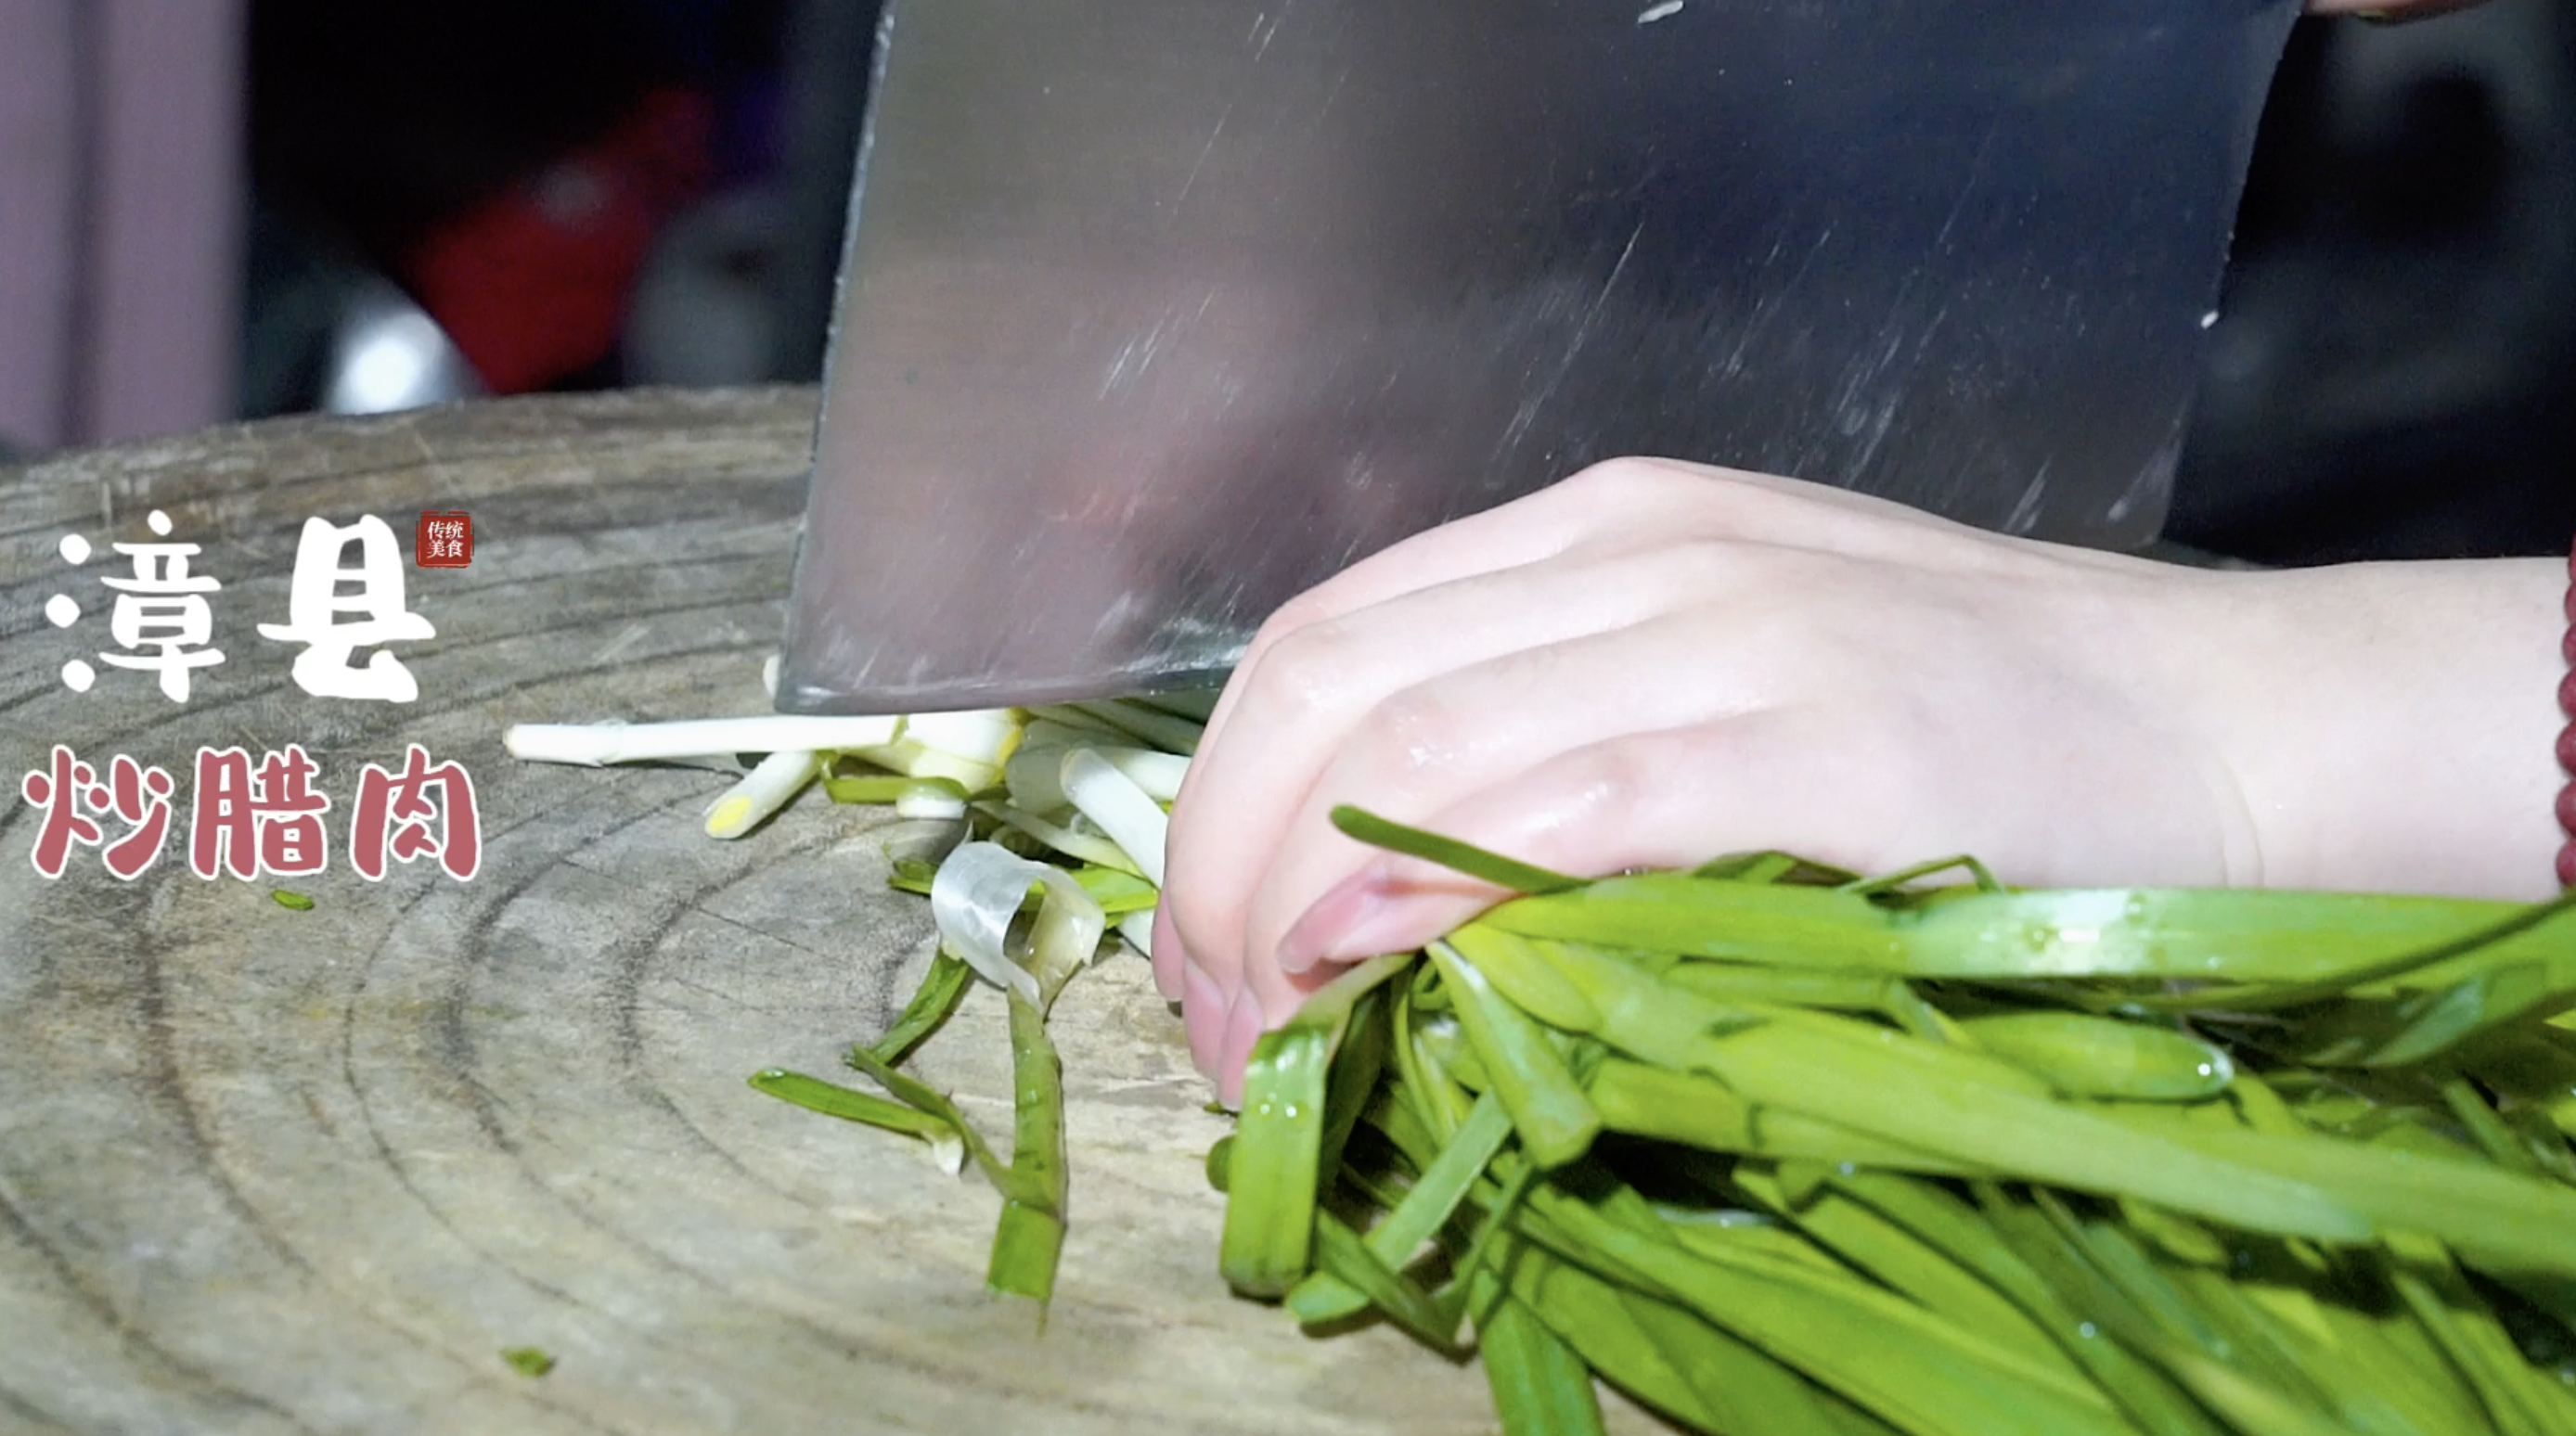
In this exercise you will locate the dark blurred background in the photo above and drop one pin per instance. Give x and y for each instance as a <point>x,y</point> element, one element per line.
<point>437,200</point>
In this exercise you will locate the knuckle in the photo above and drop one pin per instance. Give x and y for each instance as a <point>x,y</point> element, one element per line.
<point>1417,730</point>
<point>1776,640</point>
<point>1303,671</point>
<point>1612,779</point>
<point>1612,480</point>
<point>1305,611</point>
<point>1696,564</point>
<point>1296,616</point>
<point>1716,501</point>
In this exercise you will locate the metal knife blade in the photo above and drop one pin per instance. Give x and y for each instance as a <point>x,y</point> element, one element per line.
<point>1154,313</point>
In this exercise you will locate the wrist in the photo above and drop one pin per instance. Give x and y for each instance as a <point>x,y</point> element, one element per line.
<point>2393,727</point>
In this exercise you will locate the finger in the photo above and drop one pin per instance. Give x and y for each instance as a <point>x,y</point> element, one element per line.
<point>1195,846</point>
<point>1299,698</point>
<point>1862,783</point>
<point>1203,1018</point>
<point>1171,960</point>
<point>1614,507</point>
<point>1304,697</point>
<point>1751,629</point>
<point>1510,535</point>
<point>1265,1000</point>
<point>1223,1025</point>
<point>1609,507</point>
<point>1668,799</point>
<point>1427,748</point>
<point>1244,1025</point>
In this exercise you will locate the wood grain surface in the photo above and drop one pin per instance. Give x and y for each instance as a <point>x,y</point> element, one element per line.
<point>274,1171</point>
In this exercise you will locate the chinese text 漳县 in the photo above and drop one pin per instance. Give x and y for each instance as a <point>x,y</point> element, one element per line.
<point>162,621</point>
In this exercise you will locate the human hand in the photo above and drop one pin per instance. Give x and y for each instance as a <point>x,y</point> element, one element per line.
<point>1652,664</point>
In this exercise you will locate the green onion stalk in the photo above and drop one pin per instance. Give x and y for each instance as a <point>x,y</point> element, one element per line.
<point>1774,1147</point>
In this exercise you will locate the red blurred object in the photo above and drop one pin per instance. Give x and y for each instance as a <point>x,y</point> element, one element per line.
<point>533,285</point>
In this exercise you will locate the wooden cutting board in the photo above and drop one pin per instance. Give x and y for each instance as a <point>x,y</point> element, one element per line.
<point>274,1171</point>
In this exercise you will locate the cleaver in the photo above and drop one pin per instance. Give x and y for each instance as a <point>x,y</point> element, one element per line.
<point>1154,313</point>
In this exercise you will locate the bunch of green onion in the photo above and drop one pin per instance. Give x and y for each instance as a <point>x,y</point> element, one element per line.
<point>1778,1148</point>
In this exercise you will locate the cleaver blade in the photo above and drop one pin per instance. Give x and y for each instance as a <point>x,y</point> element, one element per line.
<point>1155,313</point>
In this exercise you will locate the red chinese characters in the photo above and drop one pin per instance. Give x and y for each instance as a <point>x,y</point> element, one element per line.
<point>395,817</point>
<point>251,816</point>
<point>445,539</point>
<point>73,801</point>
<point>244,820</point>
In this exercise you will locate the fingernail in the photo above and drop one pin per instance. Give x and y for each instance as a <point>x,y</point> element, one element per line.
<point>1339,927</point>
<point>1243,1027</point>
<point>1170,958</point>
<point>1203,1012</point>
